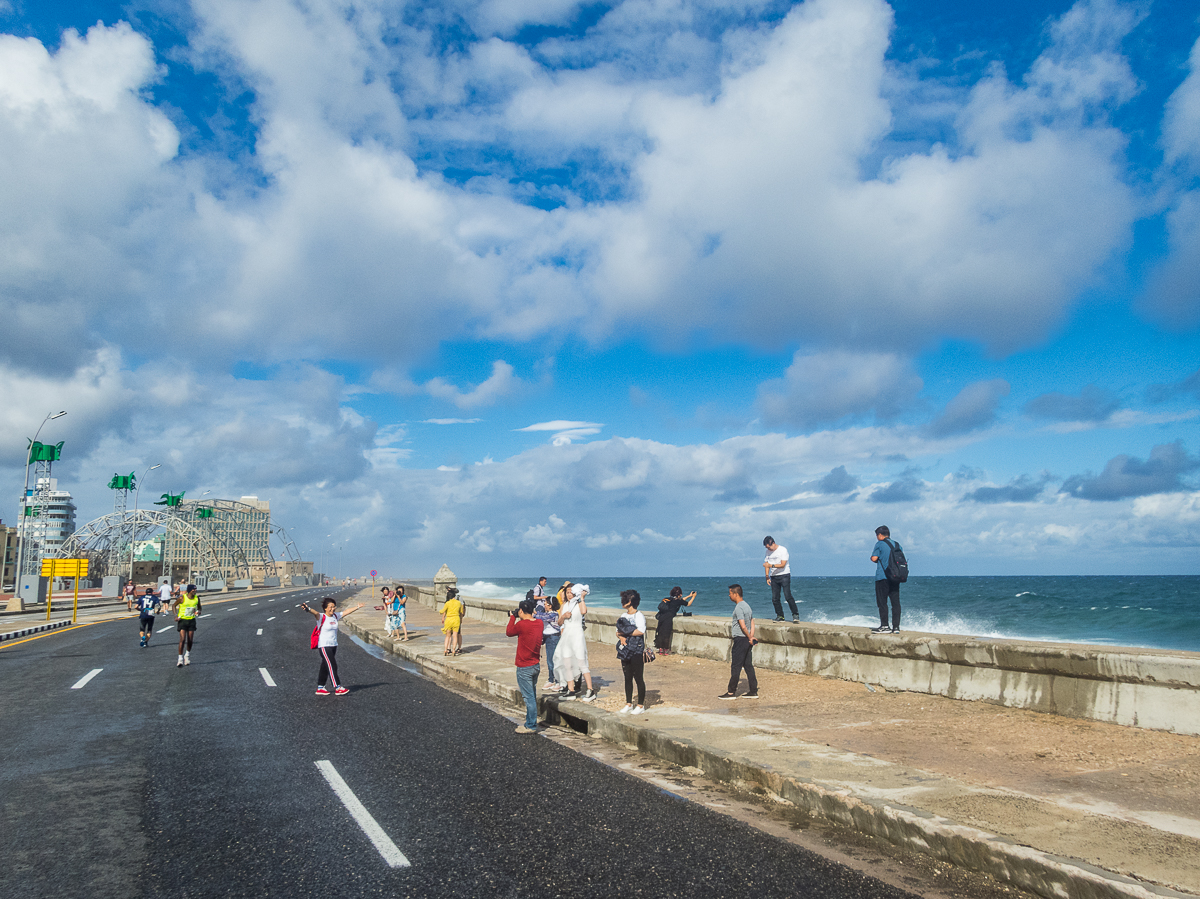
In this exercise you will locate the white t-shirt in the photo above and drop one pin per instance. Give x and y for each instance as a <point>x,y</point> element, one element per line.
<point>638,619</point>
<point>779,555</point>
<point>329,630</point>
<point>164,594</point>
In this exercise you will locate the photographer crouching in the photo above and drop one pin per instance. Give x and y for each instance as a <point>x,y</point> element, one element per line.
<point>528,631</point>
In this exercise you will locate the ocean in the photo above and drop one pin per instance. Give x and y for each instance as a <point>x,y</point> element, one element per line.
<point>1160,612</point>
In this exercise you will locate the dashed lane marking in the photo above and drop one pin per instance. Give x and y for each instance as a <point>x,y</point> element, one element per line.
<point>259,634</point>
<point>376,834</point>
<point>266,675</point>
<point>82,682</point>
<point>161,629</point>
<point>272,618</point>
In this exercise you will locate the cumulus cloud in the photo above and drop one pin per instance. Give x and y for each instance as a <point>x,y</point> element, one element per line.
<point>502,383</point>
<point>1172,293</point>
<point>719,185</point>
<point>1189,386</point>
<point>1020,490</point>
<point>905,489</point>
<point>1125,476</point>
<point>1093,404</point>
<point>826,388</point>
<point>973,408</point>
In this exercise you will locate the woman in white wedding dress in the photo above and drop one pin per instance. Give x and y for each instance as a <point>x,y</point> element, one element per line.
<point>571,657</point>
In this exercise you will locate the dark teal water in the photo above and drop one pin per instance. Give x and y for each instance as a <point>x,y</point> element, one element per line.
<point>1161,612</point>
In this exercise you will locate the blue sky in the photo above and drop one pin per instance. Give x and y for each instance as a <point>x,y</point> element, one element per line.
<point>619,288</point>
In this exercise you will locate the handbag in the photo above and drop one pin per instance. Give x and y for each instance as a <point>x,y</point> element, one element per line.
<point>316,634</point>
<point>648,654</point>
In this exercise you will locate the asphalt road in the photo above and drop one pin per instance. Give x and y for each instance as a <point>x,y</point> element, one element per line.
<point>151,780</point>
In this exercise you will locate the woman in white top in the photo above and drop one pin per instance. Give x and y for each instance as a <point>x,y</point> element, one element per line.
<point>631,649</point>
<point>570,659</point>
<point>327,641</point>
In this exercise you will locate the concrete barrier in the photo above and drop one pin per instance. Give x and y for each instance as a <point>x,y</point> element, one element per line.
<point>1155,689</point>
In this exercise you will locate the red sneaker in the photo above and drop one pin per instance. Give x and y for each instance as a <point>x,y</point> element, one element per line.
<point>321,691</point>
<point>340,691</point>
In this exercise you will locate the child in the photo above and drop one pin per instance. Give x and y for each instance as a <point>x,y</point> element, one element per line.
<point>452,613</point>
<point>327,642</point>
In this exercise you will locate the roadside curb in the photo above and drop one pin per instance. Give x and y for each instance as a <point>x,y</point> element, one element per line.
<point>35,630</point>
<point>968,847</point>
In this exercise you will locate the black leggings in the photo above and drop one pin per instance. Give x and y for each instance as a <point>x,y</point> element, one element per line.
<point>634,670</point>
<point>328,665</point>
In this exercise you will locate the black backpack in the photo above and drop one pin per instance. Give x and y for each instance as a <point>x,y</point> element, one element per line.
<point>897,566</point>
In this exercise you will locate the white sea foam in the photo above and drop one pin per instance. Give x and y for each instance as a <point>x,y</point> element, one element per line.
<point>488,590</point>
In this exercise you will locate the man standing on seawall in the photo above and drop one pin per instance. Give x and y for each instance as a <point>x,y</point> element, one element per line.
<point>742,633</point>
<point>885,589</point>
<point>779,577</point>
<point>528,631</point>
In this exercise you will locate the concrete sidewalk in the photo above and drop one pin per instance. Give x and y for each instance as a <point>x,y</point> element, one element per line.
<point>1058,806</point>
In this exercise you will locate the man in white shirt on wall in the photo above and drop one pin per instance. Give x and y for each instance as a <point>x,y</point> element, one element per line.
<point>779,577</point>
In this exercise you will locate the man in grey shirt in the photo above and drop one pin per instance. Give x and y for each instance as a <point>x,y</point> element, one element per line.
<point>742,632</point>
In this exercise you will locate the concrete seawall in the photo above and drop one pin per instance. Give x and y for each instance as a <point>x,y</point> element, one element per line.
<point>1155,689</point>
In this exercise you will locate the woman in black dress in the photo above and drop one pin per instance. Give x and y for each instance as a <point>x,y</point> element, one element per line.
<point>667,610</point>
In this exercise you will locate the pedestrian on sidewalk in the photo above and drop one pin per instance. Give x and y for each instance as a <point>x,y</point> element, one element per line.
<point>528,630</point>
<point>452,614</point>
<point>631,650</point>
<point>571,659</point>
<point>885,589</point>
<point>667,610</point>
<point>187,610</point>
<point>400,610</point>
<point>742,632</point>
<point>779,577</point>
<point>130,594</point>
<point>327,642</point>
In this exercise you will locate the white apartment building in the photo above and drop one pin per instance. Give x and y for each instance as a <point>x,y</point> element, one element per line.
<point>55,518</point>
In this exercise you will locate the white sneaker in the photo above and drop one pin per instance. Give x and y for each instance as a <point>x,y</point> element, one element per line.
<point>179,664</point>
<point>637,709</point>
<point>187,658</point>
<point>589,696</point>
<point>628,708</point>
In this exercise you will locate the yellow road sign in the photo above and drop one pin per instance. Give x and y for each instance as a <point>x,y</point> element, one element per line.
<point>64,567</point>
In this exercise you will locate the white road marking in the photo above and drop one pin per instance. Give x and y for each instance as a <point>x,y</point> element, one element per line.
<point>287,610</point>
<point>391,854</point>
<point>272,618</point>
<point>161,629</point>
<point>266,675</point>
<point>253,603</point>
<point>259,634</point>
<point>82,682</point>
<point>270,600</point>
<point>206,615</point>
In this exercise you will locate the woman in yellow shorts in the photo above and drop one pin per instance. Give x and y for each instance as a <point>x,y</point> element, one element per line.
<point>452,613</point>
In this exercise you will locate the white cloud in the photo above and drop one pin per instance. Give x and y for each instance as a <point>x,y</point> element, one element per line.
<point>451,421</point>
<point>502,383</point>
<point>567,432</point>
<point>828,387</point>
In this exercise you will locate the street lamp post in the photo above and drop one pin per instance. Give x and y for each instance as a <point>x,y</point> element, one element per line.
<point>133,526</point>
<point>21,522</point>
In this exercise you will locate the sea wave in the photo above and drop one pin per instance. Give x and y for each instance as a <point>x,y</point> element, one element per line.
<point>488,590</point>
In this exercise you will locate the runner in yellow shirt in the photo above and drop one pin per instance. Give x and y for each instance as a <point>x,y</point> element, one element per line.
<point>187,610</point>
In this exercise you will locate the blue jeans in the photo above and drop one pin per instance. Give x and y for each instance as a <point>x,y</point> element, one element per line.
<point>527,683</point>
<point>550,642</point>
